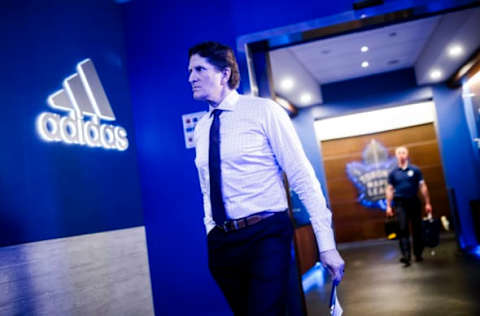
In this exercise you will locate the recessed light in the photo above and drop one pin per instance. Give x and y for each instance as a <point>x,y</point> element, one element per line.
<point>455,51</point>
<point>306,98</point>
<point>326,51</point>
<point>365,64</point>
<point>393,61</point>
<point>287,84</point>
<point>436,74</point>
<point>392,34</point>
<point>364,49</point>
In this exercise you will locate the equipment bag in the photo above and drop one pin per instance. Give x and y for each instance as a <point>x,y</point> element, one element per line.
<point>431,231</point>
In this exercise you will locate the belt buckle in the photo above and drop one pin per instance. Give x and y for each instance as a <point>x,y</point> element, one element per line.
<point>224,226</point>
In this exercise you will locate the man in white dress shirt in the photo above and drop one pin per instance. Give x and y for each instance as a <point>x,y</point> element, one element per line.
<point>243,145</point>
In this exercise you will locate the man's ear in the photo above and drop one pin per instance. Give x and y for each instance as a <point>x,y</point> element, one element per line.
<point>226,74</point>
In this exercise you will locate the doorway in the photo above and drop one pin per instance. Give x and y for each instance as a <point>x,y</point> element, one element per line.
<point>357,161</point>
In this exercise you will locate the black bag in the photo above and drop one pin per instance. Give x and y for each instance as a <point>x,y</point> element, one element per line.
<point>391,227</point>
<point>431,232</point>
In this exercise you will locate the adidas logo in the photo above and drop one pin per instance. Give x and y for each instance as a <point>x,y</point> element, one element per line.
<point>82,97</point>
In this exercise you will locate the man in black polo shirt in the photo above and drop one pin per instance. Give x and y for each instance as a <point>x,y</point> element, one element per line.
<point>403,184</point>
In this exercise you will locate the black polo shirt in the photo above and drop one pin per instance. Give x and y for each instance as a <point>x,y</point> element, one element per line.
<point>405,181</point>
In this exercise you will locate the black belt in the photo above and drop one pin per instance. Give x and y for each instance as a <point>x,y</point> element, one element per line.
<point>237,224</point>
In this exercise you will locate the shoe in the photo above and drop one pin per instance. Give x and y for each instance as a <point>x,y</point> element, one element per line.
<point>405,261</point>
<point>418,258</point>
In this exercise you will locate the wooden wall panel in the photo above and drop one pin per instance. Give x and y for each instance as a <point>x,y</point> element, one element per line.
<point>355,222</point>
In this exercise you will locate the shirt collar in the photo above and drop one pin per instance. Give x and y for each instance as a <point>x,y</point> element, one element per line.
<point>403,169</point>
<point>228,104</point>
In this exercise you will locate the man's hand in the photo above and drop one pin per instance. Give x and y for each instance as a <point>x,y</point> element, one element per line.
<point>389,211</point>
<point>334,263</point>
<point>428,208</point>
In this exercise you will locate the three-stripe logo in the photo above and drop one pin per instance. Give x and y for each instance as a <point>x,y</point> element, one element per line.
<point>85,101</point>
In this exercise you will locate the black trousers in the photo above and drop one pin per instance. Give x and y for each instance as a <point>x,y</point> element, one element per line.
<point>409,211</point>
<point>251,265</point>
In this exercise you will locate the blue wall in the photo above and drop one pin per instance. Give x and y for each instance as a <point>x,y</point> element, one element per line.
<point>461,168</point>
<point>51,190</point>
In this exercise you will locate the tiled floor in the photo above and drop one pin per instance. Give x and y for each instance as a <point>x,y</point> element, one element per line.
<point>445,283</point>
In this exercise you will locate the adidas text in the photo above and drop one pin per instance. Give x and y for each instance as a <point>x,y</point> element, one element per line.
<point>82,96</point>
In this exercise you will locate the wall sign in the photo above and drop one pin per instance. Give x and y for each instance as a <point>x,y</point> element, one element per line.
<point>85,101</point>
<point>370,175</point>
<point>189,122</point>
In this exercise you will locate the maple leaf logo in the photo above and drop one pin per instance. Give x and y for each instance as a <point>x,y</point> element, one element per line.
<point>370,175</point>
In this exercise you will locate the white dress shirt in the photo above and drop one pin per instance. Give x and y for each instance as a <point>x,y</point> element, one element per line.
<point>258,142</point>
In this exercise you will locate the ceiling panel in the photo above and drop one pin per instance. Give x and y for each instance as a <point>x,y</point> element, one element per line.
<point>390,48</point>
<point>421,44</point>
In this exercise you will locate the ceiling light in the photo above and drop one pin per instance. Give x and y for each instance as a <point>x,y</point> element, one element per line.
<point>364,49</point>
<point>435,74</point>
<point>287,84</point>
<point>455,51</point>
<point>365,64</point>
<point>306,98</point>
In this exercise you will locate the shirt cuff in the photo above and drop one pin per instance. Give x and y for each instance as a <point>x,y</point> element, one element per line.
<point>325,239</point>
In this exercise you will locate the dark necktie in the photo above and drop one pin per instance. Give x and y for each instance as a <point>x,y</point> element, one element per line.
<point>216,197</point>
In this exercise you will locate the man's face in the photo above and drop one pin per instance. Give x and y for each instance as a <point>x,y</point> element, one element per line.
<point>401,154</point>
<point>205,78</point>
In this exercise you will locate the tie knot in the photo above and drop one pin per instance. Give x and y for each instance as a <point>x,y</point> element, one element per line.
<point>216,112</point>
